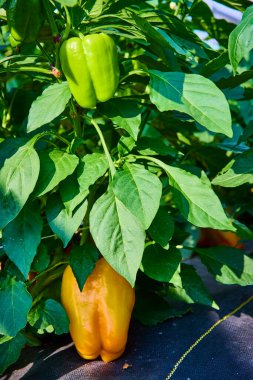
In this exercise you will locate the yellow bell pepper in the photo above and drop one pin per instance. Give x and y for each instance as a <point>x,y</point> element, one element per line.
<point>100,314</point>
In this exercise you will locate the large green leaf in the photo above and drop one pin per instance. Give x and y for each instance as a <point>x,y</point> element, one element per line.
<point>152,309</point>
<point>155,147</point>
<point>42,259</point>
<point>82,262</point>
<point>55,166</point>
<point>21,237</point>
<point>95,7</point>
<point>10,351</point>
<point>217,63</point>
<point>132,186</point>
<point>70,193</point>
<point>160,264</point>
<point>126,114</point>
<point>195,198</point>
<point>50,316</point>
<point>194,95</point>
<point>61,223</point>
<point>194,287</point>
<point>49,105</point>
<point>15,304</point>
<point>91,168</point>
<point>162,227</point>
<point>240,40</point>
<point>9,147</point>
<point>237,172</point>
<point>68,3</point>
<point>228,265</point>
<point>118,235</point>
<point>18,177</point>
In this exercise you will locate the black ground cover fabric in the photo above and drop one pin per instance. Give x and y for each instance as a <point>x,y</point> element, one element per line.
<point>225,354</point>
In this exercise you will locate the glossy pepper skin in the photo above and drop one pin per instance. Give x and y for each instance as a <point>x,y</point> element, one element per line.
<point>100,314</point>
<point>91,68</point>
<point>25,18</point>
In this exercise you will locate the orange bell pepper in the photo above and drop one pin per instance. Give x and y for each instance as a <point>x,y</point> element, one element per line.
<point>100,314</point>
<point>212,238</point>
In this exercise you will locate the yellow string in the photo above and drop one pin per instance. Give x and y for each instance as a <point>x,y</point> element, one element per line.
<point>205,334</point>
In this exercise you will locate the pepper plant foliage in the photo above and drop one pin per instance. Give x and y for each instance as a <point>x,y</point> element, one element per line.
<point>134,179</point>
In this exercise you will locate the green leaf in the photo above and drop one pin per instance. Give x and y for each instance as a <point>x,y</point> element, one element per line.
<point>150,309</point>
<point>68,3</point>
<point>95,7</point>
<point>48,106</point>
<point>217,63</point>
<point>240,40</point>
<point>236,4</point>
<point>194,95</point>
<point>55,166</point>
<point>41,260</point>
<point>126,114</point>
<point>160,264</point>
<point>125,145</point>
<point>15,303</point>
<point>70,194</point>
<point>195,198</point>
<point>49,316</point>
<point>61,223</point>
<point>162,228</point>
<point>18,177</point>
<point>21,237</point>
<point>5,338</point>
<point>234,81</point>
<point>228,265</point>
<point>153,147</point>
<point>118,235</point>
<point>132,187</point>
<point>237,172</point>
<point>9,147</point>
<point>194,287</point>
<point>243,231</point>
<point>173,43</point>
<point>91,168</point>
<point>82,262</point>
<point>10,351</point>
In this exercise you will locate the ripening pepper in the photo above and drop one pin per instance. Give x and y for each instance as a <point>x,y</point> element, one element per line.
<point>25,18</point>
<point>212,238</point>
<point>100,314</point>
<point>91,67</point>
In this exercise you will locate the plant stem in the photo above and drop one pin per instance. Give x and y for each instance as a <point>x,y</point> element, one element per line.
<point>148,158</point>
<point>36,138</point>
<point>133,72</point>
<point>144,121</point>
<point>68,24</point>
<point>108,156</point>
<point>50,18</point>
<point>59,137</point>
<point>44,52</point>
<point>28,69</point>
<point>76,119</point>
<point>91,200</point>
<point>42,286</point>
<point>29,283</point>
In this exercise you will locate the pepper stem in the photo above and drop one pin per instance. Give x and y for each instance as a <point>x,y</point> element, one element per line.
<point>76,119</point>
<point>50,18</point>
<point>107,154</point>
<point>68,24</point>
